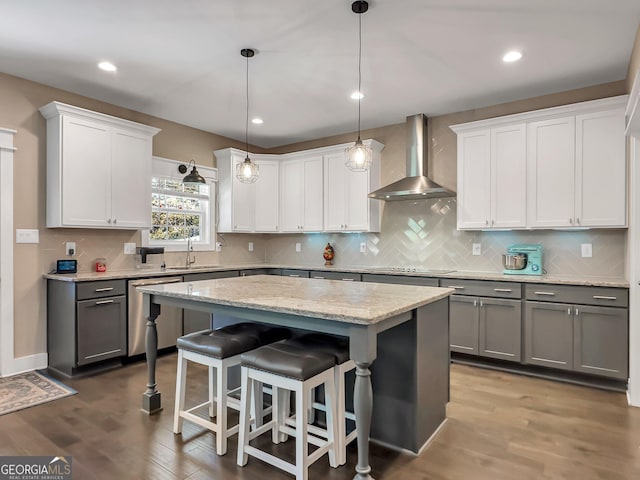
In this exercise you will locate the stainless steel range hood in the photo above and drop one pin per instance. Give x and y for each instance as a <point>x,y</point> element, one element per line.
<point>416,185</point>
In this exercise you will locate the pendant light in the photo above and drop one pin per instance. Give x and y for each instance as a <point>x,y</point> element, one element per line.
<point>247,171</point>
<point>358,156</point>
<point>194,177</point>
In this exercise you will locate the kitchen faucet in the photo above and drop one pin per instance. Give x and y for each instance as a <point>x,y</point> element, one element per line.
<point>190,260</point>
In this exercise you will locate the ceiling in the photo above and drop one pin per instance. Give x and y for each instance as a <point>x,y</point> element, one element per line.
<point>181,60</point>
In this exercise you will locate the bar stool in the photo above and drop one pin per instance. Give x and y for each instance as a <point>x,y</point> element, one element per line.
<point>288,368</point>
<point>219,350</point>
<point>339,348</point>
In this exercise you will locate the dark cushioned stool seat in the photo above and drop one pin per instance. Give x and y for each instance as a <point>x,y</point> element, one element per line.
<point>288,360</point>
<point>321,342</point>
<point>231,340</point>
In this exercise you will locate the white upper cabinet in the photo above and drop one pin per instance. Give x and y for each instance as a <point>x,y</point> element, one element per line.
<point>247,207</point>
<point>98,169</point>
<point>300,194</point>
<point>347,207</point>
<point>562,167</point>
<point>306,191</point>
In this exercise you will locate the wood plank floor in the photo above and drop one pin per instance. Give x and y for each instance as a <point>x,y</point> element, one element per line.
<point>500,426</point>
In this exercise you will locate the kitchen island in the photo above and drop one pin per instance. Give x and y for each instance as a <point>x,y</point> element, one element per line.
<point>404,327</point>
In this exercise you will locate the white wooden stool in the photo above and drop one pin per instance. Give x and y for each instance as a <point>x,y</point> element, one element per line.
<point>219,350</point>
<point>288,368</point>
<point>339,348</point>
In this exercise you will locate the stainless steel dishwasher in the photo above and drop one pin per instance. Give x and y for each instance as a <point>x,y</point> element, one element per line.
<point>169,322</point>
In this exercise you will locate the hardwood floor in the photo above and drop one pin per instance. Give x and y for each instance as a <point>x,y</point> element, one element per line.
<point>500,426</point>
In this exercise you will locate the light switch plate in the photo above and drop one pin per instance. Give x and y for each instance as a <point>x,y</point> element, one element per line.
<point>251,246</point>
<point>218,246</point>
<point>129,248</point>
<point>587,250</point>
<point>363,247</point>
<point>24,235</point>
<point>477,249</point>
<point>70,248</point>
<point>298,247</point>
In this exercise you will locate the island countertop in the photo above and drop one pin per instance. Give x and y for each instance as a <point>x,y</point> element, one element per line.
<point>350,302</point>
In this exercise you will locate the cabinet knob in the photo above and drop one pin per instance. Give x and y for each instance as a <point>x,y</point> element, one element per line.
<point>109,220</point>
<point>578,221</point>
<point>569,311</point>
<point>577,311</point>
<point>486,222</point>
<point>115,220</point>
<point>571,221</point>
<point>493,222</point>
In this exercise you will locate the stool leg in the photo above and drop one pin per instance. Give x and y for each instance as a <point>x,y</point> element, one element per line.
<point>243,430</point>
<point>332,422</point>
<point>284,410</point>
<point>302,455</point>
<point>221,410</point>
<point>213,392</point>
<point>311,413</point>
<point>257,407</point>
<point>341,433</point>
<point>276,416</point>
<point>181,381</point>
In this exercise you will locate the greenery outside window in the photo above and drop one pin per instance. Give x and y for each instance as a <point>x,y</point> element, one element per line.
<point>180,212</point>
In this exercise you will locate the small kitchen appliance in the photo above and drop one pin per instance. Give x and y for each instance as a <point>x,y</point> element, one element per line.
<point>523,259</point>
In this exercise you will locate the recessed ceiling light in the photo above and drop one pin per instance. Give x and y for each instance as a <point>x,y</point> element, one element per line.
<point>257,121</point>
<point>107,66</point>
<point>512,56</point>
<point>357,95</point>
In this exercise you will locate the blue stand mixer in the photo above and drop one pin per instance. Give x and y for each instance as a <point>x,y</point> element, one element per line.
<point>523,259</point>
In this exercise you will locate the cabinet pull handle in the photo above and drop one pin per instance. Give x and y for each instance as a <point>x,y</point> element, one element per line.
<point>319,278</point>
<point>105,289</point>
<point>604,297</point>
<point>507,290</point>
<point>347,279</point>
<point>455,287</point>
<point>550,294</point>
<point>577,311</point>
<point>481,304</point>
<point>475,303</point>
<point>294,275</point>
<point>569,311</point>
<point>104,302</point>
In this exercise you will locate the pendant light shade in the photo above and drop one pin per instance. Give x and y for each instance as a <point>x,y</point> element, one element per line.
<point>193,177</point>
<point>247,171</point>
<point>358,156</point>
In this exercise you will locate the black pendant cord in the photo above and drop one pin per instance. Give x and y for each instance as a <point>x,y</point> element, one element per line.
<point>246,126</point>
<point>359,68</point>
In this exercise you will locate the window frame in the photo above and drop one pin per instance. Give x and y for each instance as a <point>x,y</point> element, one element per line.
<point>168,169</point>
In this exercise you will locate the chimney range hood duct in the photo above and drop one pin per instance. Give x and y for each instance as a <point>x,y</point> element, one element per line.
<point>416,185</point>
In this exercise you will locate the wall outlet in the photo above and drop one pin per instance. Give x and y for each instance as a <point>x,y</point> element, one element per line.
<point>251,246</point>
<point>477,249</point>
<point>587,250</point>
<point>298,247</point>
<point>129,248</point>
<point>218,246</point>
<point>70,248</point>
<point>27,235</point>
<point>363,247</point>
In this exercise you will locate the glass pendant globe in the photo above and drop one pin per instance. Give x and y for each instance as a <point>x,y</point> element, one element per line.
<point>247,171</point>
<point>358,157</point>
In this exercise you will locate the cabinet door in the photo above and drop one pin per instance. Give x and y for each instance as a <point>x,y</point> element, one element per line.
<point>601,167</point>
<point>101,329</point>
<point>130,180</point>
<point>292,185</point>
<point>242,201</point>
<point>267,193</point>
<point>335,192</point>
<point>600,341</point>
<point>551,172</point>
<point>313,193</point>
<point>500,329</point>
<point>508,174</point>
<point>474,180</point>
<point>86,173</point>
<point>357,201</point>
<point>549,334</point>
<point>463,324</point>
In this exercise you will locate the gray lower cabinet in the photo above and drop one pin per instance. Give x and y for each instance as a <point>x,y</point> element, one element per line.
<point>193,321</point>
<point>86,324</point>
<point>346,276</point>
<point>489,327</point>
<point>400,279</point>
<point>587,338</point>
<point>289,272</point>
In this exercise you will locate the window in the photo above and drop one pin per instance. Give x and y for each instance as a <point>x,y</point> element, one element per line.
<point>178,211</point>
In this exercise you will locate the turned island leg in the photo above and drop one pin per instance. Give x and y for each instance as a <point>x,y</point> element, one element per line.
<point>151,401</point>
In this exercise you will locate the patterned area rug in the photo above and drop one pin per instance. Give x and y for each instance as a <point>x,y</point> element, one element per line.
<point>29,389</point>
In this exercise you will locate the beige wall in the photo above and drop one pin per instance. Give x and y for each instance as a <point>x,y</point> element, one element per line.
<point>20,100</point>
<point>634,63</point>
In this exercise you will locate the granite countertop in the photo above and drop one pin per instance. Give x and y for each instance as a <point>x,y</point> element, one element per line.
<point>595,281</point>
<point>351,302</point>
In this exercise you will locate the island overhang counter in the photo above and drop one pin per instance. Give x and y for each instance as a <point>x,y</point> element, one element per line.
<point>404,328</point>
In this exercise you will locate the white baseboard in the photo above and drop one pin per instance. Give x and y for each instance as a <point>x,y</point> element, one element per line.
<point>38,361</point>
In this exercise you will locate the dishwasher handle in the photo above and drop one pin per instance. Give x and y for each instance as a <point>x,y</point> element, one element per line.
<point>145,283</point>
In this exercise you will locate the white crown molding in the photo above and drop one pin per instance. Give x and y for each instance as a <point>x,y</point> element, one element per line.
<point>632,113</point>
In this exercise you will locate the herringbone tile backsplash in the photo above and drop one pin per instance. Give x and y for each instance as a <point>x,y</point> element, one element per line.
<point>423,234</point>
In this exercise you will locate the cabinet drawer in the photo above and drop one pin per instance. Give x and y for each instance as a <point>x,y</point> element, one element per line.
<point>295,273</point>
<point>400,279</point>
<point>194,277</point>
<point>348,276</point>
<point>101,288</point>
<point>483,288</point>
<point>605,296</point>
